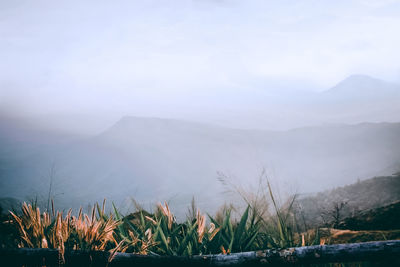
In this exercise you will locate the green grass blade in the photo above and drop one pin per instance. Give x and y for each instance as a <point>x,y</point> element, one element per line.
<point>241,228</point>
<point>121,228</point>
<point>186,239</point>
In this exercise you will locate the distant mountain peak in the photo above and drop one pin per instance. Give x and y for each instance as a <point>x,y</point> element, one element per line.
<point>359,80</point>
<point>360,85</point>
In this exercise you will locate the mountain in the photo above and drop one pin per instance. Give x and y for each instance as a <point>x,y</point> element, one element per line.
<point>363,202</point>
<point>154,159</point>
<point>359,98</point>
<point>356,99</point>
<point>262,104</point>
<point>362,87</point>
<point>27,154</point>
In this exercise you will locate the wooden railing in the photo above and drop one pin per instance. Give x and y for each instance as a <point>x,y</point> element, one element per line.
<point>388,251</point>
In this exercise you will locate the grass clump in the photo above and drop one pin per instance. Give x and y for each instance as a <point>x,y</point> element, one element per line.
<point>140,232</point>
<point>261,224</point>
<point>53,230</point>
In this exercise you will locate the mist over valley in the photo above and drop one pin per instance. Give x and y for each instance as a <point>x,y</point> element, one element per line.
<point>155,159</point>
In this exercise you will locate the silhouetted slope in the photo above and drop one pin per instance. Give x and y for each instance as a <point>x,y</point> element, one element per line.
<point>366,202</point>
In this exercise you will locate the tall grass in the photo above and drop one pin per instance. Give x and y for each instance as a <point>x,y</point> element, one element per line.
<point>53,230</point>
<point>277,224</point>
<point>141,232</point>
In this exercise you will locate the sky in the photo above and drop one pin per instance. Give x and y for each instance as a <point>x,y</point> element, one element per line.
<point>80,56</point>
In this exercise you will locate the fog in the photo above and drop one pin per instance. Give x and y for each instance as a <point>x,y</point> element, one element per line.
<point>152,94</point>
<point>205,58</point>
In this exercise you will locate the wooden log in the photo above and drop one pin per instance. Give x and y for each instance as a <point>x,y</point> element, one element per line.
<point>368,251</point>
<point>28,256</point>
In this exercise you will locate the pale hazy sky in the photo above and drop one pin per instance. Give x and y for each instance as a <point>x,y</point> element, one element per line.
<point>80,52</point>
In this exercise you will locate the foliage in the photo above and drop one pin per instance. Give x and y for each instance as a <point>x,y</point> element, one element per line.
<point>259,226</point>
<point>140,232</point>
<point>161,234</point>
<point>45,230</point>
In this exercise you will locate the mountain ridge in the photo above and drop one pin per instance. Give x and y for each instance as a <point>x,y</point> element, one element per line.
<point>174,158</point>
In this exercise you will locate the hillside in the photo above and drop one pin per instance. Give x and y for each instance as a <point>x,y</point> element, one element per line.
<point>365,204</point>
<point>154,159</point>
<point>382,218</point>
